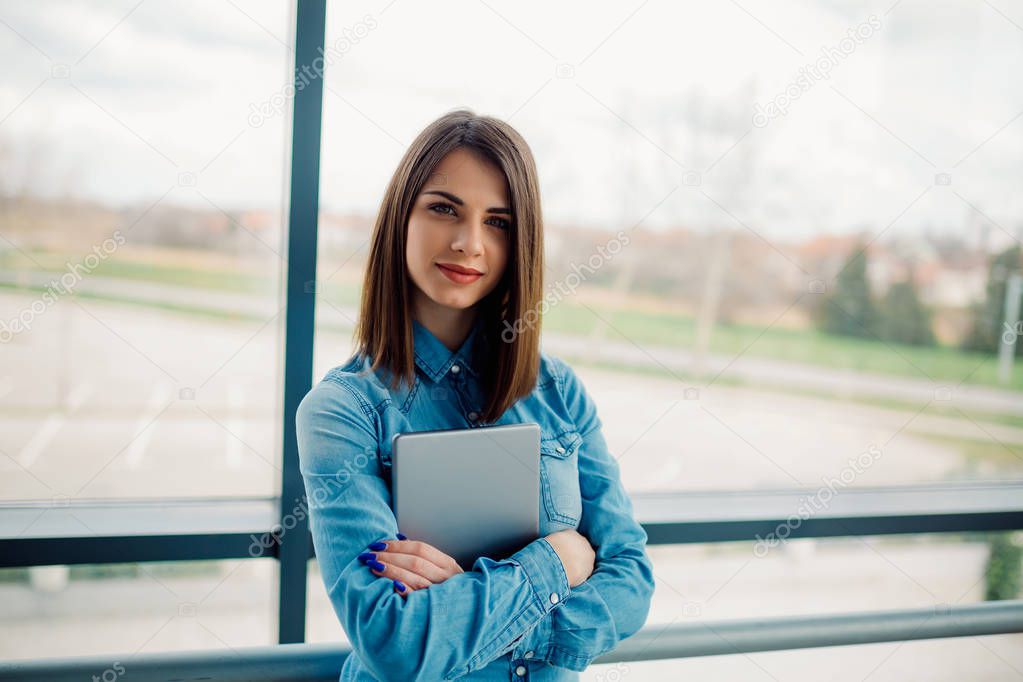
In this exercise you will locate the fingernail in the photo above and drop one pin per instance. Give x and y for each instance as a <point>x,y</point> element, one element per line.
<point>376,565</point>
<point>400,585</point>
<point>402,537</point>
<point>378,546</point>
<point>367,556</point>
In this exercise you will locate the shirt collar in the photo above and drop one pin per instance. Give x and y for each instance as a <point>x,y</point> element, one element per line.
<point>434,358</point>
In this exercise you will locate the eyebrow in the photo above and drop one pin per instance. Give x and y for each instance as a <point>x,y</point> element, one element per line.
<point>455,200</point>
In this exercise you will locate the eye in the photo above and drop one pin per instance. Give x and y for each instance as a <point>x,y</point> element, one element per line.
<point>442,208</point>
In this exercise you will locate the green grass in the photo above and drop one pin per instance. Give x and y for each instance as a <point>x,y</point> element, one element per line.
<point>201,278</point>
<point>212,279</point>
<point>154,569</point>
<point>802,346</point>
<point>217,280</point>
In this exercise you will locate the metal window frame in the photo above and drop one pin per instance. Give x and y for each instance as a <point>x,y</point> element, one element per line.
<point>321,662</point>
<point>243,528</point>
<point>293,546</point>
<point>211,529</point>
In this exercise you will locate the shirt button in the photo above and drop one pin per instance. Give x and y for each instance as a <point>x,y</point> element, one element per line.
<point>528,654</point>
<point>520,671</point>
<point>455,369</point>
<point>554,597</point>
<point>473,416</point>
<point>560,449</point>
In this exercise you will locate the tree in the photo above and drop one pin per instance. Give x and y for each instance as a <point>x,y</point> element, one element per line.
<point>848,309</point>
<point>988,316</point>
<point>1001,573</point>
<point>904,318</point>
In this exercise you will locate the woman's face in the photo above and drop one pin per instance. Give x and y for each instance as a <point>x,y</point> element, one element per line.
<point>462,217</point>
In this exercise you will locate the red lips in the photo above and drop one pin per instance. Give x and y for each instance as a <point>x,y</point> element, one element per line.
<point>461,269</point>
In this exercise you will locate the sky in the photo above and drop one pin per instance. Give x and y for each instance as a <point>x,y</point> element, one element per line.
<point>640,113</point>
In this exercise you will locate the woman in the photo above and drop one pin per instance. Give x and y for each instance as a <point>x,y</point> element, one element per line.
<point>448,338</point>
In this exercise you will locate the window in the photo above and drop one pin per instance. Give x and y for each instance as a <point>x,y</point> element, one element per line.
<point>136,608</point>
<point>782,237</point>
<point>142,173</point>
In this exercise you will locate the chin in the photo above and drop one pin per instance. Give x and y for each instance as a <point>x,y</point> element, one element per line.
<point>453,300</point>
<point>459,303</point>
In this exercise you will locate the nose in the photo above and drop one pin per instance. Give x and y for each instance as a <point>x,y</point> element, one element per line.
<point>469,237</point>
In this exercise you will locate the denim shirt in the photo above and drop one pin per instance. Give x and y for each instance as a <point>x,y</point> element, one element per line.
<point>509,618</point>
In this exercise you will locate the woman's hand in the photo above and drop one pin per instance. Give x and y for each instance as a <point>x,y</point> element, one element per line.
<point>577,556</point>
<point>410,564</point>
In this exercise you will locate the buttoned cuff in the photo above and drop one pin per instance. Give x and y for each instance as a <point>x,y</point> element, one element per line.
<point>545,572</point>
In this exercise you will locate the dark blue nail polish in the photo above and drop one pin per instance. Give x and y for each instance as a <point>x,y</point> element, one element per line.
<point>367,556</point>
<point>378,546</point>
<point>376,565</point>
<point>402,537</point>
<point>400,585</point>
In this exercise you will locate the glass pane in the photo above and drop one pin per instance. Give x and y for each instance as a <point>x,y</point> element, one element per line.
<point>747,580</point>
<point>123,609</point>
<point>141,213</point>
<point>837,575</point>
<point>321,623</point>
<point>779,236</point>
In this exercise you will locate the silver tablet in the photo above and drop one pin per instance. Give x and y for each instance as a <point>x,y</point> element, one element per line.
<point>469,492</point>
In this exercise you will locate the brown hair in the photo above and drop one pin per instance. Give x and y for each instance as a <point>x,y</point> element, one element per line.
<point>384,329</point>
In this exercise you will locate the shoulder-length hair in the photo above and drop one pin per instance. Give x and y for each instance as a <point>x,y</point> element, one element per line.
<point>510,313</point>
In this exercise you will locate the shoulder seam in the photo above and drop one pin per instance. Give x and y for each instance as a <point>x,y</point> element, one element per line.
<point>559,376</point>
<point>555,378</point>
<point>364,404</point>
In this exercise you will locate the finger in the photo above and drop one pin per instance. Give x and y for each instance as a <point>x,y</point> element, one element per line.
<point>416,564</point>
<point>402,589</point>
<point>397,573</point>
<point>425,550</point>
<point>420,549</point>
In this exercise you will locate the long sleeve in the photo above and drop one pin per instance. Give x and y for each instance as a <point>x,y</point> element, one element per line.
<point>441,632</point>
<point>614,601</point>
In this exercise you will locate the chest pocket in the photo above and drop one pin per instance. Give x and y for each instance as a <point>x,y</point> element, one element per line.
<point>559,477</point>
